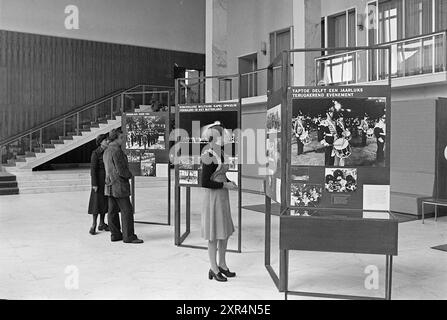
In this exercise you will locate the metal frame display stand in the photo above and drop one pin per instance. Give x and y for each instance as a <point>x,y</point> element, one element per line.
<point>181,237</point>
<point>288,241</point>
<point>132,181</point>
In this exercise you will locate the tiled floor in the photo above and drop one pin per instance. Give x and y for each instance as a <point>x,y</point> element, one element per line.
<point>43,234</point>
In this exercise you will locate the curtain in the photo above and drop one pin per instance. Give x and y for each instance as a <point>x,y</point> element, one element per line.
<point>351,28</point>
<point>418,17</point>
<point>441,15</point>
<point>340,31</point>
<point>390,20</point>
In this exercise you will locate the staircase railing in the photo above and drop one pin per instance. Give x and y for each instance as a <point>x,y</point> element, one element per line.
<point>76,121</point>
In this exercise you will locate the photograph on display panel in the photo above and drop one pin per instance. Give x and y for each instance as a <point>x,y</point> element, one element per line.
<point>146,131</point>
<point>341,180</point>
<point>339,132</point>
<point>148,164</point>
<point>305,195</point>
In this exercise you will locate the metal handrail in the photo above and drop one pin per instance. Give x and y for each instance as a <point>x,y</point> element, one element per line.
<point>380,45</point>
<point>74,112</point>
<point>64,116</point>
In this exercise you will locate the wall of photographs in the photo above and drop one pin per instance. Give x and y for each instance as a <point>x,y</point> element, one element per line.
<point>193,120</point>
<point>147,144</point>
<point>339,148</point>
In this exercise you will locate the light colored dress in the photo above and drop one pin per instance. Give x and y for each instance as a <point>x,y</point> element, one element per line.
<point>217,223</point>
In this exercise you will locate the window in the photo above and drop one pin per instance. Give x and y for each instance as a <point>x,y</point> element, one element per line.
<point>390,20</point>
<point>418,17</point>
<point>279,41</point>
<point>249,80</point>
<point>441,15</point>
<point>342,29</point>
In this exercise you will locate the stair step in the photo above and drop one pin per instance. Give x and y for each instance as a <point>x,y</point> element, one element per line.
<point>73,134</point>
<point>6,177</point>
<point>9,191</point>
<point>48,146</point>
<point>57,141</point>
<point>95,125</point>
<point>86,126</point>
<point>8,184</point>
<point>39,150</point>
<point>30,154</point>
<point>66,138</point>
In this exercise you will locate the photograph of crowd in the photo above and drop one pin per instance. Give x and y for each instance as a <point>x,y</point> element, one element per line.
<point>273,153</point>
<point>305,195</point>
<point>188,162</point>
<point>133,156</point>
<point>148,164</point>
<point>343,132</point>
<point>189,177</point>
<point>341,180</point>
<point>146,132</point>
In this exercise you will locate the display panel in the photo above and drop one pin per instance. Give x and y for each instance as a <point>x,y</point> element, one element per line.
<point>147,142</point>
<point>193,120</point>
<point>338,142</point>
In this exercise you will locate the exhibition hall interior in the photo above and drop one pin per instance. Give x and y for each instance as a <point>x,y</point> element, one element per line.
<point>223,150</point>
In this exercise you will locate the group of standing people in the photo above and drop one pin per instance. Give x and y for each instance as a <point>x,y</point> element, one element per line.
<point>110,192</point>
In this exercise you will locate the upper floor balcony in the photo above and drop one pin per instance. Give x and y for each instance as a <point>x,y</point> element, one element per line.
<point>414,61</point>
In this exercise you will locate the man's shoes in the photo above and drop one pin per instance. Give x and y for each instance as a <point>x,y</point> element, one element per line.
<point>103,227</point>
<point>135,241</point>
<point>116,239</point>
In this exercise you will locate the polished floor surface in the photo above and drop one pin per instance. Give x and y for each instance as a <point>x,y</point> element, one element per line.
<point>45,247</point>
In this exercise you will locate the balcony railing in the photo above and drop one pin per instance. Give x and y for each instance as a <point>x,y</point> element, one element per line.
<point>420,55</point>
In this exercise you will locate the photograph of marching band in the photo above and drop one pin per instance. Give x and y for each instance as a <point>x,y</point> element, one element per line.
<point>146,132</point>
<point>344,132</point>
<point>148,164</point>
<point>305,195</point>
<point>341,180</point>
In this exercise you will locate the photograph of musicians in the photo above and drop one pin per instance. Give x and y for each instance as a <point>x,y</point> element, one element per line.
<point>380,134</point>
<point>217,224</point>
<point>118,190</point>
<point>298,129</point>
<point>98,201</point>
<point>364,126</point>
<point>329,128</point>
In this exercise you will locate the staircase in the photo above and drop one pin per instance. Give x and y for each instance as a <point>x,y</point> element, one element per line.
<point>22,153</point>
<point>8,184</point>
<point>61,145</point>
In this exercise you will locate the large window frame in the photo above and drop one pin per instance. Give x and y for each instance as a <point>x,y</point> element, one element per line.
<point>346,13</point>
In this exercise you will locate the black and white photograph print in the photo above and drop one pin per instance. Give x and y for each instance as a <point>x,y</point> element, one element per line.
<point>133,156</point>
<point>148,164</point>
<point>146,132</point>
<point>340,180</point>
<point>305,195</point>
<point>274,119</point>
<point>343,132</point>
<point>189,177</point>
<point>188,162</point>
<point>299,174</point>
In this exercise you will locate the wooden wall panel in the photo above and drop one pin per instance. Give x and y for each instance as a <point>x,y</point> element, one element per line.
<point>42,77</point>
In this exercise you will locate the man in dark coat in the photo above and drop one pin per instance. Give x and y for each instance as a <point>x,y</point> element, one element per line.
<point>118,190</point>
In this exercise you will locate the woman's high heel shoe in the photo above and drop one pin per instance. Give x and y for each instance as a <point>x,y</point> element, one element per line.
<point>219,277</point>
<point>227,273</point>
<point>92,230</point>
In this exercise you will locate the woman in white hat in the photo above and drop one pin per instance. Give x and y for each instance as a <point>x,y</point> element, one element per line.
<point>217,224</point>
